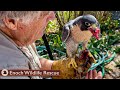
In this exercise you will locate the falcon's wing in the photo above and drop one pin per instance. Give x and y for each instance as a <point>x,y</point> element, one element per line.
<point>66,30</point>
<point>65,33</point>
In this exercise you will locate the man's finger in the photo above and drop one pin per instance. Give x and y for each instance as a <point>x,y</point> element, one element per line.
<point>86,77</point>
<point>99,75</point>
<point>90,74</point>
<point>94,73</point>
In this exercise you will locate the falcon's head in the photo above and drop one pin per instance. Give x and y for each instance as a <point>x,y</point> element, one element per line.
<point>85,22</point>
<point>89,22</point>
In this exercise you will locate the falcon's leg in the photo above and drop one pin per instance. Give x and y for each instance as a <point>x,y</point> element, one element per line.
<point>84,45</point>
<point>72,63</point>
<point>71,52</point>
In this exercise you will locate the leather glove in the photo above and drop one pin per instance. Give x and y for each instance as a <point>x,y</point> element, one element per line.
<point>83,62</point>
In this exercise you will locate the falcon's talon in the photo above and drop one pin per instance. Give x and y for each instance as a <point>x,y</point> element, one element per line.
<point>73,63</point>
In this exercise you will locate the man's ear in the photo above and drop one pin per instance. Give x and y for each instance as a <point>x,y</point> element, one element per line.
<point>10,23</point>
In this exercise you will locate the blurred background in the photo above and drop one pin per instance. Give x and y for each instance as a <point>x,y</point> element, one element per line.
<point>106,50</point>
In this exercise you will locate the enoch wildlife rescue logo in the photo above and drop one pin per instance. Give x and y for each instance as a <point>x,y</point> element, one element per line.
<point>5,72</point>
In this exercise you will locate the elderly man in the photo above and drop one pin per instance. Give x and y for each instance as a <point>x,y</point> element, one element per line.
<point>18,32</point>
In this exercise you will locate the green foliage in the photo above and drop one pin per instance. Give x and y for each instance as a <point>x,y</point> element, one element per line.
<point>56,44</point>
<point>106,43</point>
<point>118,64</point>
<point>109,26</point>
<point>109,36</point>
<point>52,27</point>
<point>117,50</point>
<point>65,16</point>
<point>100,49</point>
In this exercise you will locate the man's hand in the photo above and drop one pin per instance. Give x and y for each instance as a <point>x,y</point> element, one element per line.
<point>83,62</point>
<point>46,65</point>
<point>93,75</point>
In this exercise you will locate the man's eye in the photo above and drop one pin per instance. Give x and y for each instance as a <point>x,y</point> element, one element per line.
<point>87,24</point>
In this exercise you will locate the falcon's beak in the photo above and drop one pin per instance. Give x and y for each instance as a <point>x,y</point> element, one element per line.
<point>95,30</point>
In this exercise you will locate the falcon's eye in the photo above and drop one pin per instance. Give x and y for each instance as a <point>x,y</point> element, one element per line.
<point>87,24</point>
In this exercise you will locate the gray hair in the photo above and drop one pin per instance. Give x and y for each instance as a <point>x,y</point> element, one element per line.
<point>27,15</point>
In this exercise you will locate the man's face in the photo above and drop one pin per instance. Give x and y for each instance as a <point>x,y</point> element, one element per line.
<point>35,29</point>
